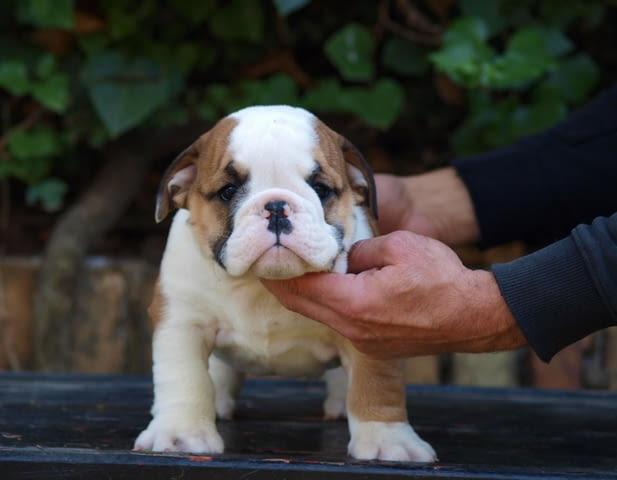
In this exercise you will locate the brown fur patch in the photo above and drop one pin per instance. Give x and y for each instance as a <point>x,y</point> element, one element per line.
<point>207,153</point>
<point>376,389</point>
<point>211,218</point>
<point>333,154</point>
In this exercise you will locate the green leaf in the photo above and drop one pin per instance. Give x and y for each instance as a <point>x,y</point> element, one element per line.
<point>529,42</point>
<point>125,91</point>
<point>120,24</point>
<point>465,63</point>
<point>47,13</point>
<point>379,106</point>
<point>93,43</point>
<point>488,11</point>
<point>286,7</point>
<point>575,78</point>
<point>29,170</point>
<point>127,18</point>
<point>467,30</point>
<point>219,95</point>
<point>196,12</point>
<point>275,90</point>
<point>526,59</point>
<point>31,153</point>
<point>486,126</point>
<point>53,92</point>
<point>38,142</point>
<point>545,112</point>
<point>14,77</point>
<point>10,168</point>
<point>465,54</point>
<point>239,20</point>
<point>181,57</point>
<point>45,66</point>
<point>326,96</point>
<point>208,111</point>
<point>351,50</point>
<point>562,17</point>
<point>405,57</point>
<point>557,43</point>
<point>49,192</point>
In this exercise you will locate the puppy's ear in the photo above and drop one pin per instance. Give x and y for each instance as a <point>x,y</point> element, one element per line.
<point>176,182</point>
<point>360,175</point>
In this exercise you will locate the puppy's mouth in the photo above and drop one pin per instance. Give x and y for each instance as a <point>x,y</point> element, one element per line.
<point>278,236</point>
<point>280,262</point>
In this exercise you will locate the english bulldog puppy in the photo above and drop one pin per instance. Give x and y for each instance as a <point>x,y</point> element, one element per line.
<point>269,192</point>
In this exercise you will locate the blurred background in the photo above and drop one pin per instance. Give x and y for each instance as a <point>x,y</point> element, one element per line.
<point>97,97</point>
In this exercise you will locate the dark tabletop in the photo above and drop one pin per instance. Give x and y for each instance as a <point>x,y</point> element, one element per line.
<point>74,426</point>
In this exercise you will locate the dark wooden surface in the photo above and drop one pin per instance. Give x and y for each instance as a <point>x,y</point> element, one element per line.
<point>69,427</point>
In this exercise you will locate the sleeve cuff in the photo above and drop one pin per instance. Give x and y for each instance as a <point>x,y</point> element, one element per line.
<point>552,297</point>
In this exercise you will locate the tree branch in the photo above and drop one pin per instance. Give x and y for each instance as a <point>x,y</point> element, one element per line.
<point>423,31</point>
<point>91,216</point>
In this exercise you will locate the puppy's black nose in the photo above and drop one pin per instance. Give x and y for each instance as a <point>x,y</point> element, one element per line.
<point>278,211</point>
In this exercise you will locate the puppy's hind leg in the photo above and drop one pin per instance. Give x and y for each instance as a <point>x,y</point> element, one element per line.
<point>336,384</point>
<point>227,385</point>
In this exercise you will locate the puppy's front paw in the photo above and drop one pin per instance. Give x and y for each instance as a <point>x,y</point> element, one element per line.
<point>173,435</point>
<point>389,441</point>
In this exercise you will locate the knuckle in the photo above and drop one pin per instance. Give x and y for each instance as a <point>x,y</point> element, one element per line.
<point>355,309</point>
<point>396,242</point>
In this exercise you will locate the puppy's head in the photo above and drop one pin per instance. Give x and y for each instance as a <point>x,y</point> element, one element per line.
<point>272,191</point>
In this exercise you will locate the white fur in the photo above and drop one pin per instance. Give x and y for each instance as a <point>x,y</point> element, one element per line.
<point>395,441</point>
<point>279,164</point>
<point>220,322</point>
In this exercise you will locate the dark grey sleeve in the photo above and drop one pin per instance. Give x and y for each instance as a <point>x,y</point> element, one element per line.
<point>539,188</point>
<point>565,291</point>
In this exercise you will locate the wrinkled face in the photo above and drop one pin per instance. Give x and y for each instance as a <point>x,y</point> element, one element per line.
<point>271,191</point>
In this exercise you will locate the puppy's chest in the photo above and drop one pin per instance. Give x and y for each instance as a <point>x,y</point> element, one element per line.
<point>274,341</point>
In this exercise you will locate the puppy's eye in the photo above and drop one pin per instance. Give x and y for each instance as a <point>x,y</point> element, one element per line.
<point>323,191</point>
<point>227,192</point>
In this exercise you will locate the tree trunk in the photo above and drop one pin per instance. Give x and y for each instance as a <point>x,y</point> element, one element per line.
<point>113,189</point>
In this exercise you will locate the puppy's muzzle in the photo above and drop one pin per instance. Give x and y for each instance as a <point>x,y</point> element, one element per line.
<point>277,213</point>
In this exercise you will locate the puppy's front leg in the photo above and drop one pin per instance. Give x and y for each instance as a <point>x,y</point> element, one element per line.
<point>377,413</point>
<point>183,410</point>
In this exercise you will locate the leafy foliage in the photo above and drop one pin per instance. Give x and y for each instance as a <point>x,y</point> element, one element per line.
<point>84,73</point>
<point>538,75</point>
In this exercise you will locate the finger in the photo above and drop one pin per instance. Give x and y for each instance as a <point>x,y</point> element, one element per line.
<point>320,297</point>
<point>292,297</point>
<point>308,291</point>
<point>365,255</point>
<point>327,287</point>
<point>379,252</point>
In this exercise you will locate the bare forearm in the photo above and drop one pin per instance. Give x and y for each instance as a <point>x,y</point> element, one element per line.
<point>436,204</point>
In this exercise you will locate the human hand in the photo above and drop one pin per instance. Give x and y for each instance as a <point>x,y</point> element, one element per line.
<point>435,204</point>
<point>405,295</point>
<point>398,209</point>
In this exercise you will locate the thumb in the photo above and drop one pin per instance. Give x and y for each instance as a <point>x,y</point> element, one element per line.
<point>366,255</point>
<point>379,252</point>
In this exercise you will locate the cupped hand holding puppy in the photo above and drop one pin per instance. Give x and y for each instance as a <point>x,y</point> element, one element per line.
<point>408,294</point>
